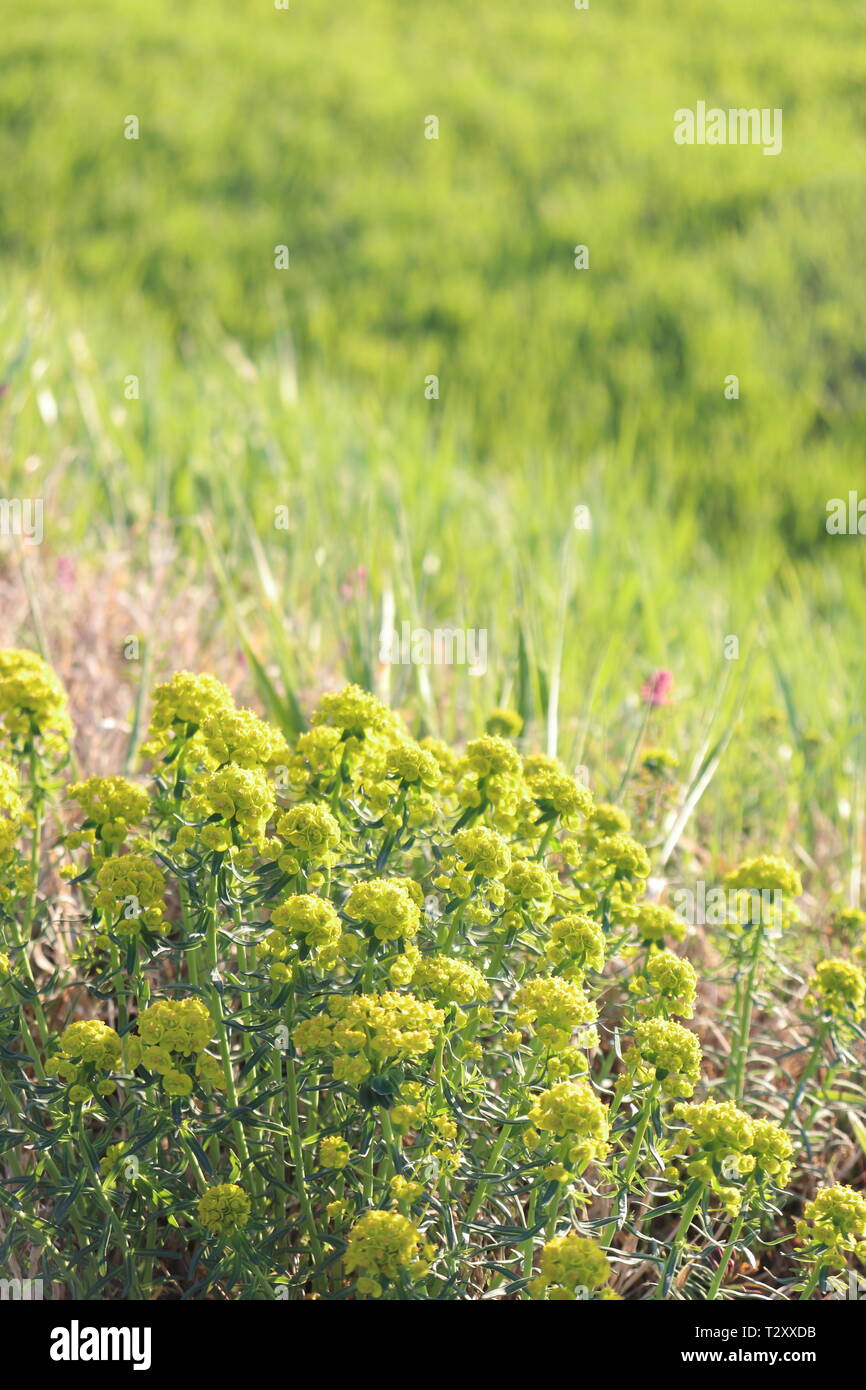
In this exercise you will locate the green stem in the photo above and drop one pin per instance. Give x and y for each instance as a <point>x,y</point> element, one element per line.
<point>806,1073</point>
<point>297,1151</point>
<point>669,1268</point>
<point>719,1275</point>
<point>634,1153</point>
<point>811,1282</point>
<point>744,1016</point>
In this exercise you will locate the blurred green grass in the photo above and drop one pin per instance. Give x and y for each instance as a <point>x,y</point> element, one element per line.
<point>261,388</point>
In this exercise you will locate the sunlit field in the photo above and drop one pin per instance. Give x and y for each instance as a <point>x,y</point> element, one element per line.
<point>432,757</point>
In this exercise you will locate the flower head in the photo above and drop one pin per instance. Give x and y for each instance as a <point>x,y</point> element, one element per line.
<point>334,1152</point>
<point>224,1209</point>
<point>572,1110</point>
<point>504,723</point>
<point>355,714</point>
<point>231,802</point>
<point>412,765</point>
<point>450,981</point>
<point>666,1052</point>
<point>575,945</point>
<point>91,1042</point>
<point>386,906</point>
<point>834,1224</point>
<point>483,852</point>
<point>112,805</point>
<point>655,921</point>
<point>383,1245</point>
<point>667,986</point>
<point>839,988</point>
<point>361,1028</point>
<point>554,792</point>
<point>33,706</point>
<point>555,1008</point>
<point>180,707</point>
<point>238,736</point>
<point>130,893</point>
<point>572,1267</point>
<point>306,919</point>
<point>766,873</point>
<point>731,1152</point>
<point>11,808</point>
<point>657,689</point>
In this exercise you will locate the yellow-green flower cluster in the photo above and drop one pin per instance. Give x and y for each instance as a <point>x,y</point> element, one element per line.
<point>87,1047</point>
<point>575,945</point>
<point>766,873</point>
<point>130,894</point>
<point>603,820</point>
<point>33,706</point>
<point>659,762</point>
<point>555,1007</point>
<point>474,865</point>
<point>624,855</point>
<point>491,774</point>
<point>334,1152</point>
<point>241,797</point>
<point>761,876</point>
<point>15,876</point>
<point>355,714</point>
<point>504,722</point>
<point>224,1209</point>
<point>611,874</point>
<point>666,987</point>
<point>572,1111</point>
<point>849,919</point>
<point>11,807</point>
<point>412,765</point>
<point>384,1245</point>
<point>450,981</point>
<point>834,1225</point>
<point>172,1037</point>
<point>364,1028</point>
<point>386,907</point>
<point>111,806</point>
<point>491,756</point>
<point>838,988</point>
<point>572,1268</point>
<point>303,920</point>
<point>232,735</point>
<point>730,1150</point>
<point>448,761</point>
<point>90,1041</point>
<point>530,889</point>
<point>556,795</point>
<point>668,1053</point>
<point>654,921</point>
<point>483,853</point>
<point>312,834</point>
<point>180,707</point>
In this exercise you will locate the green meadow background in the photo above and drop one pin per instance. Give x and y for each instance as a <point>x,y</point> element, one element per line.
<point>303,388</point>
